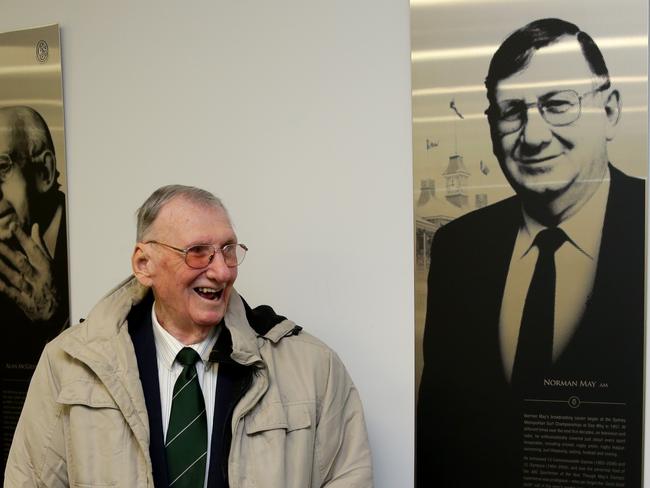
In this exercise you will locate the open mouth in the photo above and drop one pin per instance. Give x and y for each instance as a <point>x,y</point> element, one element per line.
<point>208,293</point>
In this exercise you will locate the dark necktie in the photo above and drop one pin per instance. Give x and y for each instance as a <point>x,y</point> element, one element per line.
<point>187,434</point>
<point>535,345</point>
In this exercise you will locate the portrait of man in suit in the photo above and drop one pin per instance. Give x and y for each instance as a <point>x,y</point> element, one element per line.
<point>553,297</point>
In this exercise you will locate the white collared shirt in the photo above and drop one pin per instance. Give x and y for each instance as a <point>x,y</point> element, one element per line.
<point>167,347</point>
<point>575,264</point>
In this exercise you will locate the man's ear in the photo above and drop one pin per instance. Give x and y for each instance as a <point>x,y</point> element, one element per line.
<point>142,265</point>
<point>45,171</point>
<point>613,113</point>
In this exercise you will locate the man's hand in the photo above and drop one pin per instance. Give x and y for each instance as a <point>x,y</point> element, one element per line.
<point>26,275</point>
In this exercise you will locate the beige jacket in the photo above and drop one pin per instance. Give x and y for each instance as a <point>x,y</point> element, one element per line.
<point>85,424</point>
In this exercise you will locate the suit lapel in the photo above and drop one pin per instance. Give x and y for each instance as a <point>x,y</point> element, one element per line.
<point>614,310</point>
<point>496,263</point>
<point>603,295</point>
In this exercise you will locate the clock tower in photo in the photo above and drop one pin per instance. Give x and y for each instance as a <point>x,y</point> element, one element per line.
<point>456,181</point>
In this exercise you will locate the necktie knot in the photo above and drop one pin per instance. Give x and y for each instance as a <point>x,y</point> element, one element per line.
<point>187,356</point>
<point>549,240</point>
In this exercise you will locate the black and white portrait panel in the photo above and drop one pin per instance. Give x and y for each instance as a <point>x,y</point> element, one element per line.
<point>33,245</point>
<point>530,257</point>
<point>34,296</point>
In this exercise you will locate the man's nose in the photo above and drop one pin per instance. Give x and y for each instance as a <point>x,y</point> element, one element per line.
<point>535,131</point>
<point>218,269</point>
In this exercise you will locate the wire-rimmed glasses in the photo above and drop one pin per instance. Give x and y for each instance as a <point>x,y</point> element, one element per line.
<point>200,256</point>
<point>6,164</point>
<point>8,161</point>
<point>558,108</point>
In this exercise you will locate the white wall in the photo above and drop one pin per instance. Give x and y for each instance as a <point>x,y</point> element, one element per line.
<point>297,113</point>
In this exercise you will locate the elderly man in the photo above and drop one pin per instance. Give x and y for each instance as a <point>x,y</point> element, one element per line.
<point>33,252</point>
<point>33,268</point>
<point>535,303</point>
<point>173,380</point>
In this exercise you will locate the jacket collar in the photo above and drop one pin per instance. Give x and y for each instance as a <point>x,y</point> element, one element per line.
<point>107,322</point>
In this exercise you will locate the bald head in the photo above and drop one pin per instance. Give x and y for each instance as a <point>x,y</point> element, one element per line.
<point>28,171</point>
<point>26,131</point>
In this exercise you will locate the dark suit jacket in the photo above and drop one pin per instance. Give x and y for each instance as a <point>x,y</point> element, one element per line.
<point>469,420</point>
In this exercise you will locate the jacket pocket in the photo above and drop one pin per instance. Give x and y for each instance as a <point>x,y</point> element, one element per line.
<point>95,434</point>
<point>89,393</point>
<point>280,442</point>
<point>278,416</point>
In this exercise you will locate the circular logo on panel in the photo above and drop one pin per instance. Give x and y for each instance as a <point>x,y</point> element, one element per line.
<point>42,51</point>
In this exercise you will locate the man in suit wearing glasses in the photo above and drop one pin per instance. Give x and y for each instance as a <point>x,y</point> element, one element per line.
<point>533,295</point>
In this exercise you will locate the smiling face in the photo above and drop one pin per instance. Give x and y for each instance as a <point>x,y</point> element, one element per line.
<point>189,302</point>
<point>560,166</point>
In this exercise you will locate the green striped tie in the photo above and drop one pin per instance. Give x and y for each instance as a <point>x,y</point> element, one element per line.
<point>187,434</point>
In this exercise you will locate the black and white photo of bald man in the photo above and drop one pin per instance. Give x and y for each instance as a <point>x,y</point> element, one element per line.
<point>33,264</point>
<point>34,303</point>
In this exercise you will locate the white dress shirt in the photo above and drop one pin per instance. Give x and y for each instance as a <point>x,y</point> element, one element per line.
<point>167,347</point>
<point>575,264</point>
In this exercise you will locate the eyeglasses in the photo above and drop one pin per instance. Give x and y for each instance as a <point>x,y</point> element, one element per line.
<point>6,164</point>
<point>557,108</point>
<point>201,255</point>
